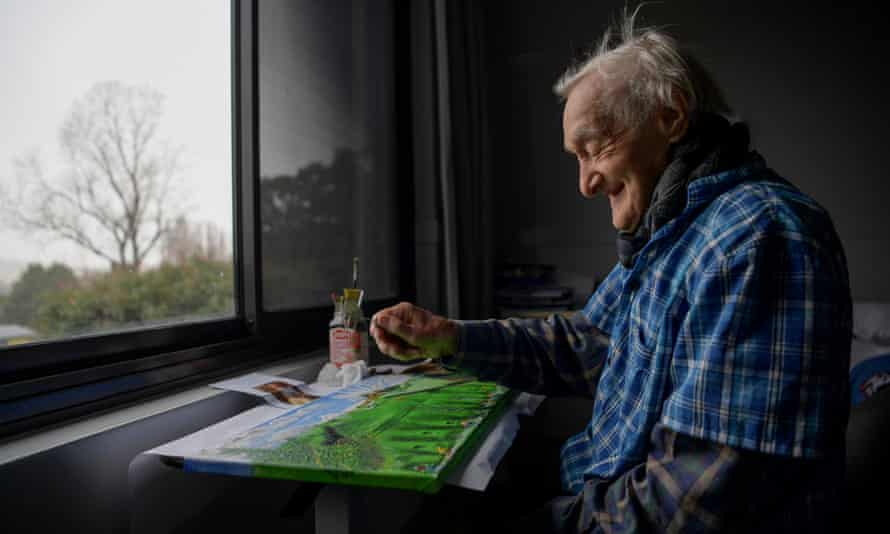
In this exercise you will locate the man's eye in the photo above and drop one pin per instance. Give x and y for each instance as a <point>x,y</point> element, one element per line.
<point>602,151</point>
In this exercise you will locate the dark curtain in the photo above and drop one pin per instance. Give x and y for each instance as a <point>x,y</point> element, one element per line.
<point>470,149</point>
<point>450,147</point>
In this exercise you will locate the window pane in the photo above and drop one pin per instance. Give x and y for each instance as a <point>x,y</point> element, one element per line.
<point>115,166</point>
<point>326,150</point>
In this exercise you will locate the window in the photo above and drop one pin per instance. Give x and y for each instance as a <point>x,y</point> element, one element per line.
<point>115,153</point>
<point>327,151</point>
<point>181,196</point>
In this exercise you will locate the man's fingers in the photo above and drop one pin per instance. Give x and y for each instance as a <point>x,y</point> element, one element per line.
<point>384,337</point>
<point>397,327</point>
<point>400,352</point>
<point>394,346</point>
<point>395,332</point>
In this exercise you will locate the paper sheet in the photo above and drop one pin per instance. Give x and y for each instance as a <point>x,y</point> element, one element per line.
<point>477,472</point>
<point>278,391</point>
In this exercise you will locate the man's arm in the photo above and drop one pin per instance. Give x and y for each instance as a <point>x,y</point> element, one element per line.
<point>688,484</point>
<point>557,356</point>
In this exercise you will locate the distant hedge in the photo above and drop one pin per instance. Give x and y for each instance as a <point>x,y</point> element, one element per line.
<point>170,293</point>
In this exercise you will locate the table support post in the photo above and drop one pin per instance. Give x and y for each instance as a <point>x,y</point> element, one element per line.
<point>340,510</point>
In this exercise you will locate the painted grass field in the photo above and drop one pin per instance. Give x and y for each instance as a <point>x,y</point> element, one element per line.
<point>409,436</point>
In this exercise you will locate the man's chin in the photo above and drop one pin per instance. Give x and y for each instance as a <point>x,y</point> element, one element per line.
<point>623,219</point>
<point>623,225</point>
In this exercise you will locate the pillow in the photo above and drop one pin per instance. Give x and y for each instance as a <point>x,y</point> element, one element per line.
<point>868,377</point>
<point>863,350</point>
<point>869,369</point>
<point>871,322</point>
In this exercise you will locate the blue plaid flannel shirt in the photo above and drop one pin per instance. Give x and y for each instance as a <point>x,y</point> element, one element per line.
<point>732,327</point>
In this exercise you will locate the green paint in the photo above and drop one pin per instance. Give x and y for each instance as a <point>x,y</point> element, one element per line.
<point>410,436</point>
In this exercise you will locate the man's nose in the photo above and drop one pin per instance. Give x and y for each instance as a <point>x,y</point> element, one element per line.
<point>589,182</point>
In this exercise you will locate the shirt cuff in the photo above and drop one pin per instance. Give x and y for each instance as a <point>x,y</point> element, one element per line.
<point>471,336</point>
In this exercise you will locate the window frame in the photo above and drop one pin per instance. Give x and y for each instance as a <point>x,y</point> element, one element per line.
<point>52,381</point>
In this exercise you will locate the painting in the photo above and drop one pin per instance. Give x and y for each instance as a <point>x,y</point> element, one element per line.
<point>396,431</point>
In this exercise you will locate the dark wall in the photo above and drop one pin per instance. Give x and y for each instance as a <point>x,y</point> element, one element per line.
<point>808,79</point>
<point>85,486</point>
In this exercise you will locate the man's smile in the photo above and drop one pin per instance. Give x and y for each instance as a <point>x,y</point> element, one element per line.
<point>616,190</point>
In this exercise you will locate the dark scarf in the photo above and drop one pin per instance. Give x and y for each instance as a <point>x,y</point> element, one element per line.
<point>711,145</point>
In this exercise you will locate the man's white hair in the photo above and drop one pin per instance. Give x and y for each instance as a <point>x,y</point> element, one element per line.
<point>642,69</point>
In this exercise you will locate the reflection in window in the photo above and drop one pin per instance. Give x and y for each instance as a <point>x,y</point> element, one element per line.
<point>326,150</point>
<point>115,166</point>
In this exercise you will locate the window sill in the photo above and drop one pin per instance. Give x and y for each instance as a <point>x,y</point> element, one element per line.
<point>17,448</point>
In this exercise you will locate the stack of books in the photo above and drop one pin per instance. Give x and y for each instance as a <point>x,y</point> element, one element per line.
<point>530,290</point>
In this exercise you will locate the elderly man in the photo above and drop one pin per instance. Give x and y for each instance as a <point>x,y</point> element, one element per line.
<point>717,349</point>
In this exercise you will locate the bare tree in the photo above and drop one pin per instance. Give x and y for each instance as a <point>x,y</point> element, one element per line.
<point>112,199</point>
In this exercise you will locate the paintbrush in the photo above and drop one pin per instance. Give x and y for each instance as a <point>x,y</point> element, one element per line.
<point>353,294</point>
<point>361,292</point>
<point>429,388</point>
<point>355,272</point>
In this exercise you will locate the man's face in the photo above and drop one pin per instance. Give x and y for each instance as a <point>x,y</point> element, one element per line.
<point>624,166</point>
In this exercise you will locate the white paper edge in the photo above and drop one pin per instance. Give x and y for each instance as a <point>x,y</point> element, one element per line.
<point>477,472</point>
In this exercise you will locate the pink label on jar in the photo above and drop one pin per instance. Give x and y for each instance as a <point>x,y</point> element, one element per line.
<point>345,345</point>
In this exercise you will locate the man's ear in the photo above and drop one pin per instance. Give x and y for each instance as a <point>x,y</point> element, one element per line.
<point>674,119</point>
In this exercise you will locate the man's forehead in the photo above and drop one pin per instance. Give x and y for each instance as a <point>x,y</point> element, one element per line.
<point>579,115</point>
<point>581,129</point>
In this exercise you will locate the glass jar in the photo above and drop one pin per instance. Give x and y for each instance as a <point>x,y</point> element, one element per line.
<point>348,335</point>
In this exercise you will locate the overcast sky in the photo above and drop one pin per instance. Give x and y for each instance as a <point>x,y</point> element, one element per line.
<point>52,52</point>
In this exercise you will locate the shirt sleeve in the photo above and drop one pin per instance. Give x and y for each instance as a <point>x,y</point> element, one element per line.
<point>691,485</point>
<point>762,356</point>
<point>556,356</point>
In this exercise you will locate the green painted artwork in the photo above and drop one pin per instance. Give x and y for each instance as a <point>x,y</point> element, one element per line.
<point>392,431</point>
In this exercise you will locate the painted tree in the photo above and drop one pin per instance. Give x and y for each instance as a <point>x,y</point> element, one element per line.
<point>112,196</point>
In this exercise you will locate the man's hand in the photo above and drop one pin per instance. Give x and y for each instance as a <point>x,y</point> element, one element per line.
<point>407,332</point>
